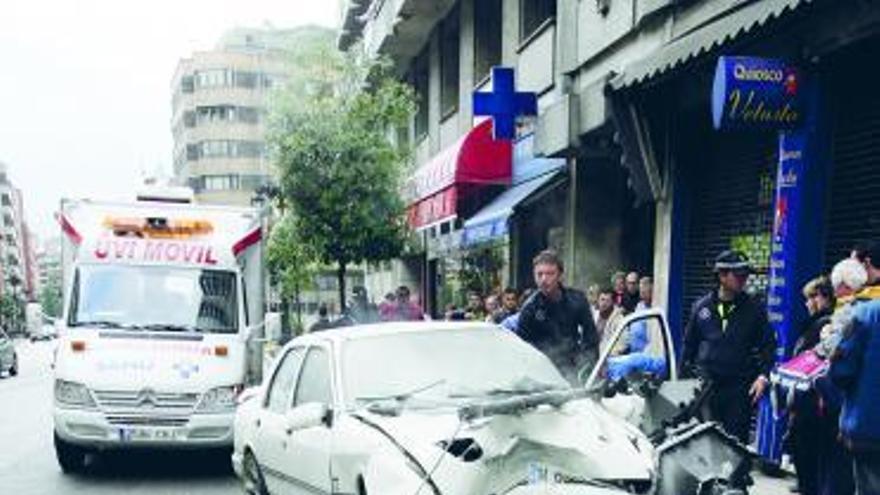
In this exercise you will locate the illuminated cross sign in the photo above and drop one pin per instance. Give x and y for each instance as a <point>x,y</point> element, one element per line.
<point>504,104</point>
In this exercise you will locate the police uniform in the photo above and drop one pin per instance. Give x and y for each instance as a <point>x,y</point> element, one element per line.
<point>731,343</point>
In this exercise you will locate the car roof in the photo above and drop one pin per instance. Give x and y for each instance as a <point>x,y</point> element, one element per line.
<point>359,332</point>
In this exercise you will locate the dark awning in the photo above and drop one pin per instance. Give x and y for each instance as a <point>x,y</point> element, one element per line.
<point>704,39</point>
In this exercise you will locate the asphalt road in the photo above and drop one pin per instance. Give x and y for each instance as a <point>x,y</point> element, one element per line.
<point>27,458</point>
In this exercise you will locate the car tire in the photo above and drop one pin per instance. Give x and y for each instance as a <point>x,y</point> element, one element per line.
<point>13,370</point>
<point>252,475</point>
<point>71,458</point>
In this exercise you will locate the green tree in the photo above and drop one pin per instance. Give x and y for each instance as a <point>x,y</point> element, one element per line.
<point>50,297</point>
<point>340,172</point>
<point>10,312</point>
<point>290,265</point>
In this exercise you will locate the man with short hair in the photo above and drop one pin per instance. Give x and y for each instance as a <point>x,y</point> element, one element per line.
<point>608,316</point>
<point>509,305</point>
<point>475,310</point>
<point>556,320</point>
<point>729,341</point>
<point>323,322</point>
<point>618,283</point>
<point>855,369</point>
<point>630,298</point>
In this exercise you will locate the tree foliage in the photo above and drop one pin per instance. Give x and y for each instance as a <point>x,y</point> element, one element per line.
<point>340,172</point>
<point>50,297</point>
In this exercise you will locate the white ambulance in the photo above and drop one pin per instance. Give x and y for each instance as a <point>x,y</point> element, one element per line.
<point>163,317</point>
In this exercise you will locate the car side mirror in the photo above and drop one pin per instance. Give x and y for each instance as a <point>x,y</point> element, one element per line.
<point>309,415</point>
<point>248,394</point>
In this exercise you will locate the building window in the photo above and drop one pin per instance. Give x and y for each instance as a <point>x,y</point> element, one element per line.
<point>220,182</point>
<point>421,85</point>
<point>449,62</point>
<point>214,78</point>
<point>192,152</point>
<point>533,15</point>
<point>186,84</point>
<point>487,37</point>
<point>246,79</point>
<point>189,119</point>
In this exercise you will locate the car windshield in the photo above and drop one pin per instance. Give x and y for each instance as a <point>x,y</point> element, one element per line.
<point>444,365</point>
<point>155,298</point>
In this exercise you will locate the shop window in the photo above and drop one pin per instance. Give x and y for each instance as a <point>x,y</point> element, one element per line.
<point>449,62</point>
<point>533,15</point>
<point>487,37</point>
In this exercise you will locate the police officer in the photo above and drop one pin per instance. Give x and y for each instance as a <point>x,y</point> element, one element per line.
<point>728,340</point>
<point>557,320</point>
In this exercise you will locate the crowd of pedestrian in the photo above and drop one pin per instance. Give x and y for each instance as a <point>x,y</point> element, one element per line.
<point>830,388</point>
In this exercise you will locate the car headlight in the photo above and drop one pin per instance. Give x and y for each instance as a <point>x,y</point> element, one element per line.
<point>219,400</point>
<point>73,394</point>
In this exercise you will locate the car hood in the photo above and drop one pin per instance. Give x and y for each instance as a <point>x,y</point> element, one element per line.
<point>576,445</point>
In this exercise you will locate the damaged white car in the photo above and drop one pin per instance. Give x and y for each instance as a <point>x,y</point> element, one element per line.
<point>442,408</point>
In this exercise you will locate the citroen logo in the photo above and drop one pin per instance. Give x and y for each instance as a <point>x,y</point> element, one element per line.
<point>146,398</point>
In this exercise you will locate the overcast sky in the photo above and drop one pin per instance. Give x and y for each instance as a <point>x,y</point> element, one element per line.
<point>84,87</point>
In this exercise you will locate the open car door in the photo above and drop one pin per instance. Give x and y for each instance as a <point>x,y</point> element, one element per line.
<point>638,373</point>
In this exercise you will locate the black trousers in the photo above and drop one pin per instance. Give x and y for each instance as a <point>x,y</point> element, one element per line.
<point>867,472</point>
<point>730,405</point>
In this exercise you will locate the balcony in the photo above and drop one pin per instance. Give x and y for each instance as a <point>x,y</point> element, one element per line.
<point>400,28</point>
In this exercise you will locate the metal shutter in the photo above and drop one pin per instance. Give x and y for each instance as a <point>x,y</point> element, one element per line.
<point>731,207</point>
<point>854,214</point>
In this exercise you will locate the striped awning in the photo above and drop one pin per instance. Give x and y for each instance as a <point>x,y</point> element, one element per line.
<point>749,16</point>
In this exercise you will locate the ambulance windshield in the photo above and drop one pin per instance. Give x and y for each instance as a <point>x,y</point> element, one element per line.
<point>154,298</point>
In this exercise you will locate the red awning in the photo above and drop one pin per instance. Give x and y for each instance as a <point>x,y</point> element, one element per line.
<point>475,159</point>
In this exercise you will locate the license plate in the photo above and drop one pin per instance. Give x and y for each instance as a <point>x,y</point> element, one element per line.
<point>150,434</point>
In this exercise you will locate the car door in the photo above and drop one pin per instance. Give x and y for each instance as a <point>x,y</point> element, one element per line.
<point>270,443</point>
<point>307,454</point>
<point>638,374</point>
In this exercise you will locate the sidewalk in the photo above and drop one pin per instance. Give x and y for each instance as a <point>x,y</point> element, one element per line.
<point>766,485</point>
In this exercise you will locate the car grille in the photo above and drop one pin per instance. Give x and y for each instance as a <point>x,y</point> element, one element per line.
<point>134,420</point>
<point>145,400</point>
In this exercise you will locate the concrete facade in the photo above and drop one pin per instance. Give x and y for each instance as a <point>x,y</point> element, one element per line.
<point>219,115</point>
<point>569,61</point>
<point>18,275</point>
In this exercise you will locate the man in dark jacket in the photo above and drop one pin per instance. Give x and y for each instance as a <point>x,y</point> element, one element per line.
<point>729,341</point>
<point>855,369</point>
<point>557,320</point>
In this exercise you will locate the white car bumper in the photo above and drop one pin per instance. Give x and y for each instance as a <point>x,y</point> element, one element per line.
<point>102,430</point>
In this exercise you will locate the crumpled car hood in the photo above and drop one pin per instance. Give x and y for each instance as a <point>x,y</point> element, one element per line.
<point>571,445</point>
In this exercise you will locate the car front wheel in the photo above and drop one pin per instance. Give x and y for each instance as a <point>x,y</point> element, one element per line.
<point>13,371</point>
<point>71,458</point>
<point>252,476</point>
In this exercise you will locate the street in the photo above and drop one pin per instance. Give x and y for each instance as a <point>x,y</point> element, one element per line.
<point>27,459</point>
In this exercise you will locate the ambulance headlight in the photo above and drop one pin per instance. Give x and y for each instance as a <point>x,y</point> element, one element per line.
<point>219,400</point>
<point>74,395</point>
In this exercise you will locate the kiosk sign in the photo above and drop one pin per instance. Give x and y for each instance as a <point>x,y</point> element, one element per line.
<point>756,93</point>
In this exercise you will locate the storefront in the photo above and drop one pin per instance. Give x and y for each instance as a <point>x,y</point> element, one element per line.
<point>443,192</point>
<point>854,210</point>
<point>523,220</point>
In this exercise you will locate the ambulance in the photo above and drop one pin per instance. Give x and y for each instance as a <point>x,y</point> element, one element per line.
<point>162,325</point>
